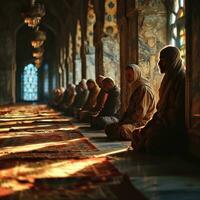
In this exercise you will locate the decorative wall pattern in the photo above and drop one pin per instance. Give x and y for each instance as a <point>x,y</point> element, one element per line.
<point>91,18</point>
<point>78,38</point>
<point>152,27</point>
<point>110,26</point>
<point>111,42</point>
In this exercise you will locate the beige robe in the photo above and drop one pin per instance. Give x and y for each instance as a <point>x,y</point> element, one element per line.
<point>140,109</point>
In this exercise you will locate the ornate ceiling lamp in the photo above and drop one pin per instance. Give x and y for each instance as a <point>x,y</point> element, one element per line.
<point>38,38</point>
<point>38,52</point>
<point>33,17</point>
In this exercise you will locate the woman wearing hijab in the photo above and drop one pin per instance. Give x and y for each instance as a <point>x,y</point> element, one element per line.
<point>165,132</point>
<point>140,106</point>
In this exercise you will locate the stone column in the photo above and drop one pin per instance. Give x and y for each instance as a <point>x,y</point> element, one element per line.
<point>132,20</point>
<point>127,25</point>
<point>193,75</point>
<point>83,22</point>
<point>7,68</point>
<point>66,58</point>
<point>74,32</point>
<point>99,8</point>
<point>123,30</point>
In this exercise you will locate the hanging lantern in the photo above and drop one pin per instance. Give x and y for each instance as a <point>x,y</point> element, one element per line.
<point>38,52</point>
<point>33,17</point>
<point>38,39</point>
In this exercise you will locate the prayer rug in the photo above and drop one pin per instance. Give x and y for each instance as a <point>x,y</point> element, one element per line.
<point>119,188</point>
<point>26,138</point>
<point>36,121</point>
<point>32,118</point>
<point>52,145</point>
<point>28,128</point>
<point>92,168</point>
<point>48,158</point>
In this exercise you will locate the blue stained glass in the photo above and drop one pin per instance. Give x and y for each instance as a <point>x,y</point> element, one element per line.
<point>30,83</point>
<point>46,80</point>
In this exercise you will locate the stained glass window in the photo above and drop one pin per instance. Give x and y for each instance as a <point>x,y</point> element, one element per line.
<point>177,26</point>
<point>30,83</point>
<point>46,79</point>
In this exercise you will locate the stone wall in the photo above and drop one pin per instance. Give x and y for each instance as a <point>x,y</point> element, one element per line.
<point>111,43</point>
<point>152,28</point>
<point>7,68</point>
<point>111,58</point>
<point>90,65</point>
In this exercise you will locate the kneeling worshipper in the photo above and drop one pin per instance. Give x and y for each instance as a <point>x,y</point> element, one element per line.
<point>68,97</point>
<point>140,109</point>
<point>58,94</point>
<point>102,96</point>
<point>93,88</point>
<point>80,98</point>
<point>109,112</point>
<point>165,133</point>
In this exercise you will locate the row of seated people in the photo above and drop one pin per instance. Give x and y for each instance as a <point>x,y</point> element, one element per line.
<point>151,128</point>
<point>90,101</point>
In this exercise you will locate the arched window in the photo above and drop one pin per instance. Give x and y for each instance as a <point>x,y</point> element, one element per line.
<point>30,83</point>
<point>177,26</point>
<point>46,79</point>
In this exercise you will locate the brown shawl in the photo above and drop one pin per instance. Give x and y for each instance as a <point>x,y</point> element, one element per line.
<point>174,64</point>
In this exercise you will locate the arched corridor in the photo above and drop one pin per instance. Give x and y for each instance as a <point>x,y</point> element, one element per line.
<point>99,99</point>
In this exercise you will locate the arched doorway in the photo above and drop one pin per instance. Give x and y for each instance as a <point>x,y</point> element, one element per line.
<point>47,75</point>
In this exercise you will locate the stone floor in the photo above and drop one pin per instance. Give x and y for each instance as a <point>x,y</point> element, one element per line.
<point>157,177</point>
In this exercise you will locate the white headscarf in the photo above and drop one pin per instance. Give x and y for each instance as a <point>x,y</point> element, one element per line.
<point>137,81</point>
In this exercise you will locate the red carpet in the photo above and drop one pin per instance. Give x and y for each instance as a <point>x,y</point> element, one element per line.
<point>43,156</point>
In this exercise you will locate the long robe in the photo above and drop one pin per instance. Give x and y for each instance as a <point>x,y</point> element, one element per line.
<point>166,131</point>
<point>92,99</point>
<point>84,114</point>
<point>109,112</point>
<point>140,109</point>
<point>101,99</point>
